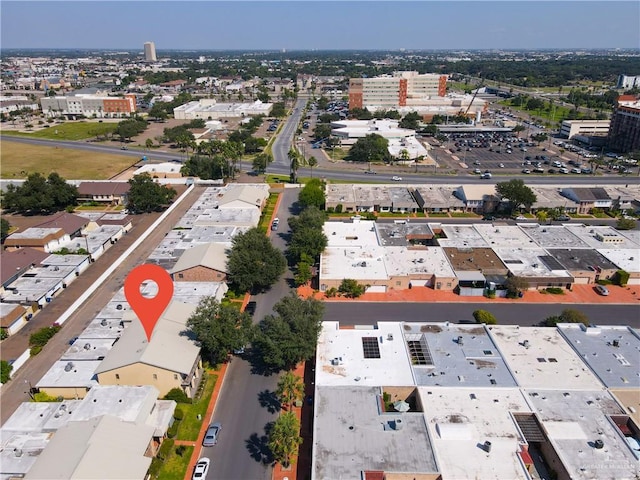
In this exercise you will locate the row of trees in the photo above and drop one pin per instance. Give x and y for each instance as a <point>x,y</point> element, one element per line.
<point>39,195</point>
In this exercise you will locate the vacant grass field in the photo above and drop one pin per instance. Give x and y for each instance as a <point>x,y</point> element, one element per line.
<point>69,131</point>
<point>18,160</point>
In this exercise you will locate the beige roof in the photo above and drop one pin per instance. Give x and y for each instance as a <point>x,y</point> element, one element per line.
<point>244,193</point>
<point>477,192</point>
<point>103,448</point>
<point>210,255</point>
<point>168,349</point>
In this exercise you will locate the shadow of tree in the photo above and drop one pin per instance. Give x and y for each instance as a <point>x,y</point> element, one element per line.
<point>269,400</point>
<point>258,446</point>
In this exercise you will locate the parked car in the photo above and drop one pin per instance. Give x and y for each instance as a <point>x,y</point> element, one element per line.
<point>602,290</point>
<point>250,308</point>
<point>211,437</point>
<point>370,172</point>
<point>564,218</point>
<point>201,469</point>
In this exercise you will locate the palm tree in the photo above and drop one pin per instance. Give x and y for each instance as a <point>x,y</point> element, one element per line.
<point>284,438</point>
<point>294,158</point>
<point>312,162</point>
<point>290,388</point>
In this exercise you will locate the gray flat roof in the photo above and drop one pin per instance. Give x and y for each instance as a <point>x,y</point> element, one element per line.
<point>455,356</point>
<point>400,234</point>
<point>581,259</point>
<point>352,435</point>
<point>612,353</point>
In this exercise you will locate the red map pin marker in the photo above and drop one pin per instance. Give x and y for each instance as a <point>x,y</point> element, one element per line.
<point>148,310</point>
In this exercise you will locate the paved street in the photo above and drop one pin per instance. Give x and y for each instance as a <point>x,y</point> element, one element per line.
<point>525,314</point>
<point>13,393</point>
<point>246,403</point>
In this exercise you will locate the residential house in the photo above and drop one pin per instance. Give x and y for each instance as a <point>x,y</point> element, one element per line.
<point>112,193</point>
<point>588,198</point>
<point>478,198</point>
<point>13,317</point>
<point>171,359</point>
<point>202,263</point>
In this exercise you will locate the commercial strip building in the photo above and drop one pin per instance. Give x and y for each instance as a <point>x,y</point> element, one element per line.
<point>477,198</point>
<point>470,401</point>
<point>89,105</point>
<point>471,258</point>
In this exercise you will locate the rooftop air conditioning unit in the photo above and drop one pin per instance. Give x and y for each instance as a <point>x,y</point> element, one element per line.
<point>68,367</point>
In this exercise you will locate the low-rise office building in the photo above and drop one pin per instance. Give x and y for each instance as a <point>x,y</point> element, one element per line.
<point>210,109</point>
<point>89,105</point>
<point>571,128</point>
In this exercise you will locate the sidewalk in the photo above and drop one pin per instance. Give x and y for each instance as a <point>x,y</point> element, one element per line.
<point>195,456</point>
<point>579,294</point>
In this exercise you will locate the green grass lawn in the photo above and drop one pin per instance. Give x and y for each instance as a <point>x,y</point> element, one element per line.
<point>190,425</point>
<point>69,131</point>
<point>464,215</point>
<point>438,215</point>
<point>175,467</point>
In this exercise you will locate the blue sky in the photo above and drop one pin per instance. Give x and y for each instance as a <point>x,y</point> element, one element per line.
<point>308,24</point>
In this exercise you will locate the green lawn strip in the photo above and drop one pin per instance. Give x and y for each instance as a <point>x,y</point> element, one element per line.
<point>175,466</point>
<point>189,427</point>
<point>464,215</point>
<point>69,131</point>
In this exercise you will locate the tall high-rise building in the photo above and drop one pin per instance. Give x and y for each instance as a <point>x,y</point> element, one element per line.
<point>150,52</point>
<point>624,133</point>
<point>397,90</point>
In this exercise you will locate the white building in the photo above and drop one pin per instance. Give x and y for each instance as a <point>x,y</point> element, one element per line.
<point>571,128</point>
<point>209,109</point>
<point>150,52</point>
<point>628,81</point>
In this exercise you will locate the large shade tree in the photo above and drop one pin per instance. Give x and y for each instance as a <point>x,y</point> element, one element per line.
<point>289,336</point>
<point>219,328</point>
<point>517,193</point>
<point>145,195</point>
<point>372,148</point>
<point>40,195</point>
<point>254,264</point>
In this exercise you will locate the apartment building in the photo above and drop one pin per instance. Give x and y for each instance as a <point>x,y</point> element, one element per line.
<point>397,90</point>
<point>89,105</point>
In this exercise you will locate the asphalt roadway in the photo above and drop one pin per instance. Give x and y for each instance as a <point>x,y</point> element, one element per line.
<point>16,391</point>
<point>523,314</point>
<point>280,165</point>
<point>247,403</point>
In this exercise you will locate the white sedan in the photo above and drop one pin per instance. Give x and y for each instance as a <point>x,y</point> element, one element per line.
<point>395,178</point>
<point>202,467</point>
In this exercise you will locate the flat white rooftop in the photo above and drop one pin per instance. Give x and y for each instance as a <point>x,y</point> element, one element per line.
<point>79,375</point>
<point>402,261</point>
<point>627,259</point>
<point>503,235</point>
<point>88,349</point>
<point>102,328</point>
<point>574,420</point>
<point>460,236</point>
<point>540,357</point>
<point>352,435</point>
<point>552,236</point>
<point>531,262</point>
<point>460,420</point>
<point>613,353</point>
<point>344,358</point>
<point>360,233</point>
<point>357,263</point>
<point>451,355</point>
<point>602,237</point>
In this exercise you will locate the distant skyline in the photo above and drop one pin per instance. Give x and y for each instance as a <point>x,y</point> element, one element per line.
<point>316,25</point>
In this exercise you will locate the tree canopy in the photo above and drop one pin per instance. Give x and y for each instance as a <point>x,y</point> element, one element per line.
<point>40,195</point>
<point>312,194</point>
<point>289,336</point>
<point>146,196</point>
<point>254,263</point>
<point>372,148</point>
<point>308,240</point>
<point>568,315</point>
<point>284,438</point>
<point>517,193</point>
<point>5,226</point>
<point>219,328</point>
<point>411,121</point>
